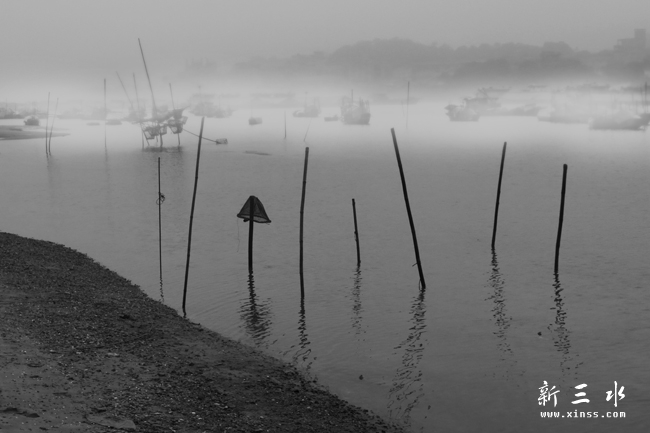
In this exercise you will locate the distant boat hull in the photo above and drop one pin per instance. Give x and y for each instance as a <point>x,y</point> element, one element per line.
<point>32,121</point>
<point>356,118</point>
<point>254,120</point>
<point>457,113</point>
<point>629,123</point>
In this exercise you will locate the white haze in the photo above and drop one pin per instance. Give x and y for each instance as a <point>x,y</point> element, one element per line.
<point>68,47</point>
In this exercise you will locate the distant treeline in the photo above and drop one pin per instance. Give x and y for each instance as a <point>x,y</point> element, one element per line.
<point>400,59</point>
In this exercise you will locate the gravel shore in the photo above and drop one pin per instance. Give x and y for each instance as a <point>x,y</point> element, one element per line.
<point>85,350</point>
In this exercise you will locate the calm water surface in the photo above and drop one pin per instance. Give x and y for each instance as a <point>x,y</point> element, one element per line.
<point>463,355</point>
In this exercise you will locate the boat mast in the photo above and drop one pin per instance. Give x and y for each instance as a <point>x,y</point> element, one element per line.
<point>125,92</point>
<point>153,100</point>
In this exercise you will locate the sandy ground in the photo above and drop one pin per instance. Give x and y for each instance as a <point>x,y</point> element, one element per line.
<point>20,132</point>
<point>84,350</point>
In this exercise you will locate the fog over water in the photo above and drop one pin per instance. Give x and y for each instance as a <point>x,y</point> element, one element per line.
<point>469,353</point>
<point>65,47</point>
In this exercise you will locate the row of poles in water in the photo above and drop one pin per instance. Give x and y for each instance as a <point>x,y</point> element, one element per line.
<point>252,207</point>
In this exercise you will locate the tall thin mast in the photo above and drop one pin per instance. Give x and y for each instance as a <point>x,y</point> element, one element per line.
<point>137,100</point>
<point>153,100</point>
<point>125,92</point>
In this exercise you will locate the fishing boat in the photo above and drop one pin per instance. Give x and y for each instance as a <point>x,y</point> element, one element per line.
<point>482,103</point>
<point>32,121</point>
<point>461,113</point>
<point>621,120</point>
<point>565,114</point>
<point>312,110</point>
<point>209,109</point>
<point>355,113</point>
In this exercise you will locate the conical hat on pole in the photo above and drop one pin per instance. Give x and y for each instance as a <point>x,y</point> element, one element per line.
<point>259,214</point>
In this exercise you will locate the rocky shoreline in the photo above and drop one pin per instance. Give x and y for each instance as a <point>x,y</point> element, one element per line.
<point>85,350</point>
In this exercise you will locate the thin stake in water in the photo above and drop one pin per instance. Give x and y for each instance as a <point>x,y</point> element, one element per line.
<point>189,240</point>
<point>356,232</point>
<point>161,198</point>
<point>105,112</point>
<point>559,227</point>
<point>49,146</point>
<point>496,209</point>
<point>408,209</point>
<point>302,214</point>
<point>47,121</point>
<point>251,215</point>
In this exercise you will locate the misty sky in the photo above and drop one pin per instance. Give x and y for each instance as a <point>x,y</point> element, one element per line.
<point>61,38</point>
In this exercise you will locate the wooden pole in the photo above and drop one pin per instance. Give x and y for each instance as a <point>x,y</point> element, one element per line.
<point>189,240</point>
<point>47,121</point>
<point>356,233</point>
<point>302,214</point>
<point>285,125</point>
<point>408,209</point>
<point>49,145</point>
<point>496,208</point>
<point>251,213</point>
<point>160,199</point>
<point>559,228</point>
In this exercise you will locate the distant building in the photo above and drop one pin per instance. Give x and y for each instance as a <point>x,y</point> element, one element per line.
<point>631,45</point>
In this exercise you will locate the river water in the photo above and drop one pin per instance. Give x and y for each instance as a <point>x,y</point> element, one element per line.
<point>468,353</point>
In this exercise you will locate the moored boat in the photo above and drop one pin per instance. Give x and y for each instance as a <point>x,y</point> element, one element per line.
<point>312,110</point>
<point>355,113</point>
<point>621,120</point>
<point>32,121</point>
<point>461,113</point>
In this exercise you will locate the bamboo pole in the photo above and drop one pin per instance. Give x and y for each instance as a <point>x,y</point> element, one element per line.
<point>160,200</point>
<point>47,121</point>
<point>49,145</point>
<point>251,214</point>
<point>189,240</point>
<point>408,209</point>
<point>496,208</point>
<point>302,214</point>
<point>356,232</point>
<point>559,228</point>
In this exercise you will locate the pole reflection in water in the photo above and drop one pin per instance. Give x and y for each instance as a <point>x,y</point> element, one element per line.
<point>560,331</point>
<point>301,350</point>
<point>499,311</point>
<point>357,309</point>
<point>256,315</point>
<point>408,388</point>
